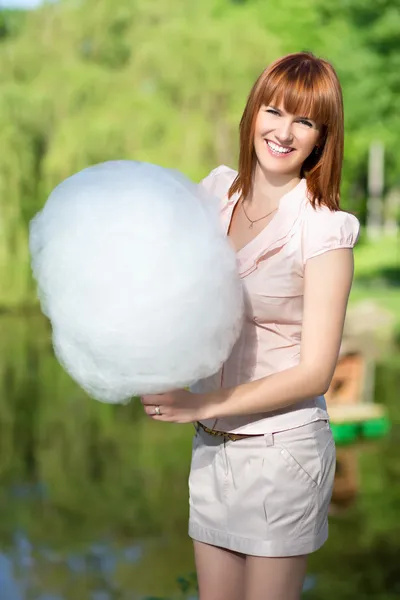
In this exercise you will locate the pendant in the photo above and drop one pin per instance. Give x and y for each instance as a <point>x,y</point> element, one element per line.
<point>251,225</point>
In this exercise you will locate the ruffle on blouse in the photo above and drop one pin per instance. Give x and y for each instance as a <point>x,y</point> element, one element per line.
<point>277,233</point>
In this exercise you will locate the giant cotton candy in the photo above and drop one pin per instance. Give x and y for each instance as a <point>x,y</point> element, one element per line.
<point>137,278</point>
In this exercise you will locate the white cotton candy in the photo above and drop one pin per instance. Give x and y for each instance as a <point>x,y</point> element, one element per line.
<point>137,278</point>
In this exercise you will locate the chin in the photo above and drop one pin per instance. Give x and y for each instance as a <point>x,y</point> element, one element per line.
<point>281,166</point>
<point>278,167</point>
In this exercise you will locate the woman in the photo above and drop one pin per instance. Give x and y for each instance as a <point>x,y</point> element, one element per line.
<point>263,456</point>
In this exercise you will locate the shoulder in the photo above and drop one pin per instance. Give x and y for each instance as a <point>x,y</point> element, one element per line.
<point>323,217</point>
<point>219,180</point>
<point>326,230</point>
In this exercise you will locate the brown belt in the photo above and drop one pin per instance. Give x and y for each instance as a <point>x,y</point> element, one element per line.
<point>230,436</point>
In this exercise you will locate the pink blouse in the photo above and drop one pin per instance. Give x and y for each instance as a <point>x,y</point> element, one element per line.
<point>272,267</point>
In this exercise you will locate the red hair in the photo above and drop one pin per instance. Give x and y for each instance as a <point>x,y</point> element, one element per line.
<point>308,86</point>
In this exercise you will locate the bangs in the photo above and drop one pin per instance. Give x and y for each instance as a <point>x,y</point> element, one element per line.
<point>302,90</point>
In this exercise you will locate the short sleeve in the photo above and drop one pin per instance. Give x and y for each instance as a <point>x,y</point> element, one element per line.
<point>326,230</point>
<point>218,181</point>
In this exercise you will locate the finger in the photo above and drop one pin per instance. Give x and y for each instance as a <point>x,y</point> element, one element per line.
<point>151,410</point>
<point>150,400</point>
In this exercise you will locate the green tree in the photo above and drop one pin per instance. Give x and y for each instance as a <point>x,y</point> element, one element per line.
<point>166,82</point>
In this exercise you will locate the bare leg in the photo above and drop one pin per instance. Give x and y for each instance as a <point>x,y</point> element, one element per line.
<point>220,572</point>
<point>274,578</point>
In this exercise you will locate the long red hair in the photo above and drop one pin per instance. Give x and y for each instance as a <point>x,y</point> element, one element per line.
<point>305,85</point>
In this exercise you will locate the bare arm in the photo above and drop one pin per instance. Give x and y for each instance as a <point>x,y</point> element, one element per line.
<point>327,284</point>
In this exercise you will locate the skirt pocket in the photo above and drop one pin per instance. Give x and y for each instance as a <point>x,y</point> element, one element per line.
<point>296,475</point>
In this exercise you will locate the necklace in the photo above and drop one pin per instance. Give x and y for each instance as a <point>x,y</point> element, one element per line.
<point>256,220</point>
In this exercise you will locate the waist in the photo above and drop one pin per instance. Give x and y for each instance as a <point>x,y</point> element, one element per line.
<point>296,415</point>
<point>233,437</point>
<point>285,433</point>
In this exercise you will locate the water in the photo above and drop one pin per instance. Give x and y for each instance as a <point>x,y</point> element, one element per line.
<point>93,498</point>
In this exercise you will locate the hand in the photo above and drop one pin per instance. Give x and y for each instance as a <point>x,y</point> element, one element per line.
<point>179,406</point>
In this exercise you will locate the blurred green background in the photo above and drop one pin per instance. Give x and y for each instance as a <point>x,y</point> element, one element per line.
<point>94,498</point>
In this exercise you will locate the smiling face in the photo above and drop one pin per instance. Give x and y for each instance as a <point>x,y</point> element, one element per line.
<point>283,141</point>
<point>296,103</point>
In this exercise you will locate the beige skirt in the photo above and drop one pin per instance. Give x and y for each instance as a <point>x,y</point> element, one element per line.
<point>263,496</point>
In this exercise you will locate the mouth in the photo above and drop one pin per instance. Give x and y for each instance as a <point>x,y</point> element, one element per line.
<point>278,150</point>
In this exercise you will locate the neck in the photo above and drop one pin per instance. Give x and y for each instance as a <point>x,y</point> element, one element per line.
<point>268,188</point>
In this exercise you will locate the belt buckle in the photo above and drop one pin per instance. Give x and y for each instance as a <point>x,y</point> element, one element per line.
<point>233,437</point>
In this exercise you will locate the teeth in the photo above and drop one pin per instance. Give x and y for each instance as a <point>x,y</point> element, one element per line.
<point>277,148</point>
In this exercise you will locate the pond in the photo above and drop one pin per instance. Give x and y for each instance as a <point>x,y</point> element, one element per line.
<point>94,500</point>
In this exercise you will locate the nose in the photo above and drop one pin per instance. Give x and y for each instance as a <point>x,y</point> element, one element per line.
<point>284,133</point>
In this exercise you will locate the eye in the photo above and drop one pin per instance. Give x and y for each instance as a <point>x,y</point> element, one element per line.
<point>306,122</point>
<point>272,111</point>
